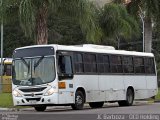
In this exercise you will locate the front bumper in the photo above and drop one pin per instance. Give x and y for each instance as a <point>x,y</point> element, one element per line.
<point>36,100</point>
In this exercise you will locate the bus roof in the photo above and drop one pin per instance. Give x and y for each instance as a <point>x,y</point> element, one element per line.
<point>91,48</point>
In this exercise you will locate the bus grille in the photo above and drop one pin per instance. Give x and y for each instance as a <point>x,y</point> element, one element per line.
<point>32,94</point>
<point>32,89</point>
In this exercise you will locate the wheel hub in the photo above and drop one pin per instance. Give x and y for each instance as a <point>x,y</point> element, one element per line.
<point>79,100</point>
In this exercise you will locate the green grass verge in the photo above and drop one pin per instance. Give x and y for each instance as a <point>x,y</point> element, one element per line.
<point>6,100</point>
<point>158,95</point>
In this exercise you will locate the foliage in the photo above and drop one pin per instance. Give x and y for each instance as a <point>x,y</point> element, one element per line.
<point>148,7</point>
<point>8,9</point>
<point>62,30</point>
<point>13,38</point>
<point>158,95</point>
<point>116,22</point>
<point>30,10</point>
<point>156,49</point>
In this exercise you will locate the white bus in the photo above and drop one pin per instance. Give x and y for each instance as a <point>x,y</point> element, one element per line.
<point>50,75</point>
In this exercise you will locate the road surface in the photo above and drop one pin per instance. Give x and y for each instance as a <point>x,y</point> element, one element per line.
<point>139,111</point>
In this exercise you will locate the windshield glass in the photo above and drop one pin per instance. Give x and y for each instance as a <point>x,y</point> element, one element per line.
<point>33,71</point>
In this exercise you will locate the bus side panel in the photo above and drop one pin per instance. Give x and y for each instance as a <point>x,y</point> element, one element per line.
<point>66,95</point>
<point>90,85</point>
<point>105,85</point>
<point>113,85</point>
<point>152,85</point>
<point>138,82</point>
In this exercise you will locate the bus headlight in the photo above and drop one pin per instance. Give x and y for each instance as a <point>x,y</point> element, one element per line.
<point>16,93</point>
<point>49,92</point>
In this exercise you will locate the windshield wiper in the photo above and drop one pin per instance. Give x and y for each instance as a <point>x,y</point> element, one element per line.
<point>38,62</point>
<point>28,66</point>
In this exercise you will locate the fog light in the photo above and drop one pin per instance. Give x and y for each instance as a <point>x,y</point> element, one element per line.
<point>43,100</point>
<point>23,101</point>
<point>49,100</point>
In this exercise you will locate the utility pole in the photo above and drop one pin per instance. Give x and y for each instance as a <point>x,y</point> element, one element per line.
<point>1,48</point>
<point>142,16</point>
<point>142,19</point>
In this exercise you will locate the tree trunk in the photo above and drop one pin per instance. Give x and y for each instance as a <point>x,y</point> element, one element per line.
<point>148,34</point>
<point>41,26</point>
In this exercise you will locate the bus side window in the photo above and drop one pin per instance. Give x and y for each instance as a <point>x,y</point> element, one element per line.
<point>65,66</point>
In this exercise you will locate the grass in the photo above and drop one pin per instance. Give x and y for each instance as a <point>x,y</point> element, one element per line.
<point>6,100</point>
<point>158,95</point>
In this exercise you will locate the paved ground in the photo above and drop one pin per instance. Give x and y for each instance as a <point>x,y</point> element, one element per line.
<point>140,110</point>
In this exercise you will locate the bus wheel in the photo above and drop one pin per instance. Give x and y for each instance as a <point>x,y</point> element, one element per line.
<point>79,101</point>
<point>96,104</point>
<point>129,98</point>
<point>40,108</point>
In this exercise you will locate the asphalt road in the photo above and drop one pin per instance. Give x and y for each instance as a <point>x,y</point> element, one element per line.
<point>139,111</point>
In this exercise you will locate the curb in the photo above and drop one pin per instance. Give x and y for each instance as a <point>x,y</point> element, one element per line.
<point>9,109</point>
<point>157,101</point>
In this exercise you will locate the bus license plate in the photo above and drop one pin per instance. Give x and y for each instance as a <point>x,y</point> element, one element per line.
<point>32,101</point>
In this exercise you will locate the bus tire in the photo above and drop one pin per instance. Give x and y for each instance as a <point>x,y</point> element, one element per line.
<point>96,104</point>
<point>40,108</point>
<point>79,101</point>
<point>129,98</point>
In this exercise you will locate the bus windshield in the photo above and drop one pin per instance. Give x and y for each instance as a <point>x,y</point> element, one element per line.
<point>33,71</point>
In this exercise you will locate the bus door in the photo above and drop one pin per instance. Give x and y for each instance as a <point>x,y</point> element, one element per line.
<point>65,78</point>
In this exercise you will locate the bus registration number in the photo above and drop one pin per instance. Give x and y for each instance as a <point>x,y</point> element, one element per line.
<point>32,101</point>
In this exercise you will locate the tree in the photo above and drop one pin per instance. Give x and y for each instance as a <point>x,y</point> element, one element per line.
<point>33,16</point>
<point>64,30</point>
<point>13,38</point>
<point>150,10</point>
<point>117,23</point>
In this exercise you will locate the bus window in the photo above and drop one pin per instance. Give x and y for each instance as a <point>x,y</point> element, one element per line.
<point>90,63</point>
<point>65,66</point>
<point>116,64</point>
<point>128,64</point>
<point>100,64</point>
<point>139,65</point>
<point>78,62</point>
<point>106,63</point>
<point>149,66</point>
